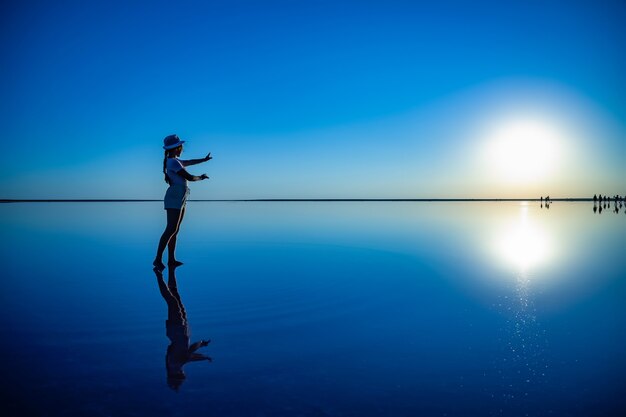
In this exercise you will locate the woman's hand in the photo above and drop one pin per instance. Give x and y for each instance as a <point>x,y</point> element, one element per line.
<point>204,177</point>
<point>208,157</point>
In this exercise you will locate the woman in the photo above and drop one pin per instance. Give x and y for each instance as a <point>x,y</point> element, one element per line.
<point>176,196</point>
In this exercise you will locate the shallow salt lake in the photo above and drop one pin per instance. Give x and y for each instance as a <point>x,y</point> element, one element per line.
<point>317,309</point>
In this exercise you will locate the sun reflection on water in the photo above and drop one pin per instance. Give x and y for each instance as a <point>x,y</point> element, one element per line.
<point>524,245</point>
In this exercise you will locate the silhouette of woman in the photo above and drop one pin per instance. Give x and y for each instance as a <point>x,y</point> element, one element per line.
<point>175,197</point>
<point>179,352</point>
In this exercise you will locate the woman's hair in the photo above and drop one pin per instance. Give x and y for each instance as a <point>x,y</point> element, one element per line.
<point>167,179</point>
<point>168,153</point>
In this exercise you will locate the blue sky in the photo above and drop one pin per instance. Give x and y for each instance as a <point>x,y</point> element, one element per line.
<point>307,99</point>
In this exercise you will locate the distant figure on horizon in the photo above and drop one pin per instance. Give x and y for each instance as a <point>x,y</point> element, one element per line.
<point>595,198</point>
<point>175,197</point>
<point>179,352</point>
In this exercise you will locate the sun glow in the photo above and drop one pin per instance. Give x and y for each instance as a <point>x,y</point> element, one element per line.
<point>523,150</point>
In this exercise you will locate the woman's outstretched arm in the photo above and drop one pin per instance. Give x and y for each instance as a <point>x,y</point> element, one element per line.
<point>188,162</point>
<point>183,173</point>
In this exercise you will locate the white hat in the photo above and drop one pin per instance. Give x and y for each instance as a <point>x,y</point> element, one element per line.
<point>172,141</point>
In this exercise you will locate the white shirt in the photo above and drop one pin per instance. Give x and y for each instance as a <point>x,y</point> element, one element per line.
<point>173,165</point>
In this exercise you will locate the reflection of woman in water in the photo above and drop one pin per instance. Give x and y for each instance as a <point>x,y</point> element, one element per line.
<point>176,196</point>
<point>179,352</point>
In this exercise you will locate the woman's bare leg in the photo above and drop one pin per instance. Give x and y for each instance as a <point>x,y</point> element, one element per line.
<point>173,219</point>
<point>171,246</point>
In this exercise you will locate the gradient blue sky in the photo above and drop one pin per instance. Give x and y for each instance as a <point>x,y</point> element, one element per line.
<point>307,99</point>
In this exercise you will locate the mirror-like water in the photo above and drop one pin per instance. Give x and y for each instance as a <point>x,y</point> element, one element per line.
<point>338,309</point>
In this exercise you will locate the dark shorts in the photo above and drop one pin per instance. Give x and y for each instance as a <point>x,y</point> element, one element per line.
<point>176,197</point>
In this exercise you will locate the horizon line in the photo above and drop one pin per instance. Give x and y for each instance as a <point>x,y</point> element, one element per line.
<point>269,200</point>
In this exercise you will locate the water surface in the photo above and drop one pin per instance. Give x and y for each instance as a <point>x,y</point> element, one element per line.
<point>317,309</point>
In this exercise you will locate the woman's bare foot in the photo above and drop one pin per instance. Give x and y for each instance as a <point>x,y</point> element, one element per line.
<point>174,263</point>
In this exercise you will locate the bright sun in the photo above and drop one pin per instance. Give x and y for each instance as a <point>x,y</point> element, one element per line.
<point>523,150</point>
